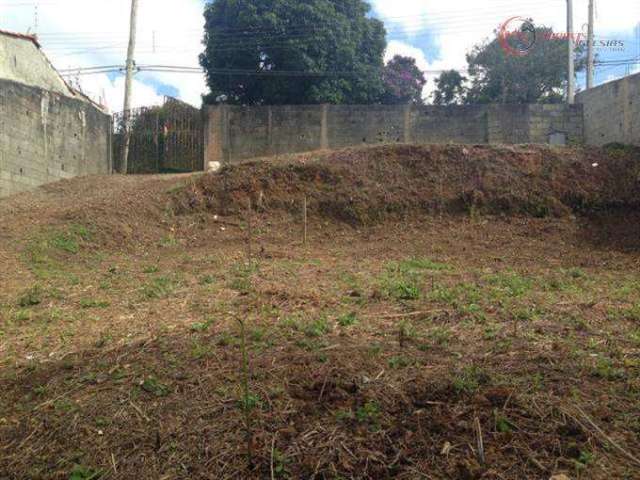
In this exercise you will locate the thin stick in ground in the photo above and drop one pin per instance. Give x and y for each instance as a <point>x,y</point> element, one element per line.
<point>305,221</point>
<point>246,400</point>
<point>249,233</point>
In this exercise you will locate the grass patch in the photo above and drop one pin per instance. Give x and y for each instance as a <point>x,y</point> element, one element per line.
<point>45,254</point>
<point>317,328</point>
<point>31,297</point>
<point>159,287</point>
<point>93,303</point>
<point>414,264</point>
<point>510,283</point>
<point>155,387</point>
<point>80,472</point>
<point>469,379</point>
<point>202,326</point>
<point>348,319</point>
<point>368,413</point>
<point>241,274</point>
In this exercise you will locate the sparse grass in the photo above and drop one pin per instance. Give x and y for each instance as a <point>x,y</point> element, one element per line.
<point>241,274</point>
<point>341,352</point>
<point>469,379</point>
<point>631,313</point>
<point>202,326</point>
<point>93,303</point>
<point>200,350</point>
<point>317,327</point>
<point>416,264</point>
<point>80,472</point>
<point>369,413</point>
<point>398,362</point>
<point>401,283</point>
<point>159,287</point>
<point>153,386</point>
<point>606,369</point>
<point>31,297</point>
<point>510,284</point>
<point>348,319</point>
<point>440,335</point>
<point>45,253</point>
<point>168,241</point>
<point>207,280</point>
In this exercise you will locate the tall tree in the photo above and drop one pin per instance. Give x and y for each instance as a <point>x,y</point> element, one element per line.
<point>450,88</point>
<point>253,46</point>
<point>538,75</point>
<point>403,81</point>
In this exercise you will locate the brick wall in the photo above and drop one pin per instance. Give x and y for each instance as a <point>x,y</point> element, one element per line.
<point>237,133</point>
<point>46,136</point>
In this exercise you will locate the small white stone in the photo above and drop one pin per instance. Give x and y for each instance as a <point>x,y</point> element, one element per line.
<point>595,165</point>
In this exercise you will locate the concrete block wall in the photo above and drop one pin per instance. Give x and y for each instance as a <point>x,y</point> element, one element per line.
<point>45,136</point>
<point>612,112</point>
<point>237,133</point>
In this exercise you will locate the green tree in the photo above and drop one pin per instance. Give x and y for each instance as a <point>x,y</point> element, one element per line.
<point>450,88</point>
<point>539,75</point>
<point>403,81</point>
<point>332,44</point>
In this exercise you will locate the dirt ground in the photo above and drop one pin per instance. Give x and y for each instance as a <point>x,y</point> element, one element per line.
<point>156,328</point>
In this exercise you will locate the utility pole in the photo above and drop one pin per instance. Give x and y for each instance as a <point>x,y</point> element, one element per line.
<point>590,47</point>
<point>571,85</point>
<point>127,87</point>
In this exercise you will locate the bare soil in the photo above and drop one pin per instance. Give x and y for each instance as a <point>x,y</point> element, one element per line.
<point>457,312</point>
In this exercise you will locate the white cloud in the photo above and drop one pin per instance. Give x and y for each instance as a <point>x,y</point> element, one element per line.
<point>395,47</point>
<point>79,33</point>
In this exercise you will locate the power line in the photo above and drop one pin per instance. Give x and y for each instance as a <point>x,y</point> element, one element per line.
<point>218,71</point>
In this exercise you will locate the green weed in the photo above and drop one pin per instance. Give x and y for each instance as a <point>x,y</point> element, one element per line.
<point>93,303</point>
<point>440,336</point>
<point>154,386</point>
<point>199,350</point>
<point>159,287</point>
<point>399,362</point>
<point>31,297</point>
<point>80,472</point>
<point>207,280</point>
<point>399,283</point>
<point>414,264</point>
<point>368,413</point>
<point>510,284</point>
<point>202,326</point>
<point>469,379</point>
<point>606,370</point>
<point>317,327</point>
<point>348,319</point>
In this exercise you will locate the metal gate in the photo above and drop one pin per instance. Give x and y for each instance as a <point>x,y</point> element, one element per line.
<point>163,139</point>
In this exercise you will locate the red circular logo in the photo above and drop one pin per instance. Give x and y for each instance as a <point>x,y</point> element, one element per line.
<point>517,36</point>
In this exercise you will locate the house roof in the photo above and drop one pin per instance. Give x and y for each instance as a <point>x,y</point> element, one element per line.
<point>21,36</point>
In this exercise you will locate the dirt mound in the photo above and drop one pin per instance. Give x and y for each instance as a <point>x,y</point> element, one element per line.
<point>366,185</point>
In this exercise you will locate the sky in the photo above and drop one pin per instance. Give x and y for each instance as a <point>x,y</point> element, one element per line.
<point>438,34</point>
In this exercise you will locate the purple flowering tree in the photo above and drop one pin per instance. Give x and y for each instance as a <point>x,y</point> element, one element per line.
<point>403,81</point>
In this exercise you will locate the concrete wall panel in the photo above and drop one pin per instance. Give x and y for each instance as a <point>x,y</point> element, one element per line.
<point>612,112</point>
<point>46,137</point>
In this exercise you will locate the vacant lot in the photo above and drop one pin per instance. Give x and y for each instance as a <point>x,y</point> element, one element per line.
<point>456,313</point>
